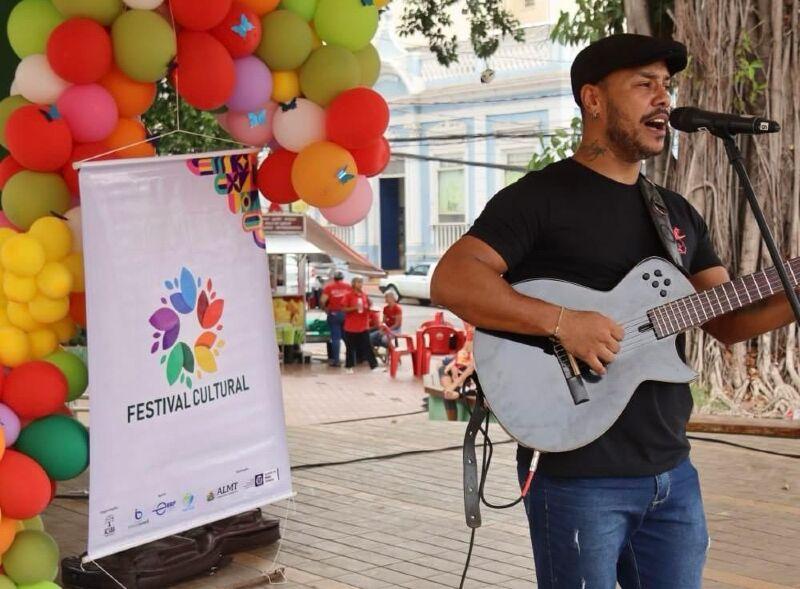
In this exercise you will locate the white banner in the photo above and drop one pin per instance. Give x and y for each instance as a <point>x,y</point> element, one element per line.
<point>187,423</point>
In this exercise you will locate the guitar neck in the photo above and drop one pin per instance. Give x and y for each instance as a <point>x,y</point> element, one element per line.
<point>698,308</point>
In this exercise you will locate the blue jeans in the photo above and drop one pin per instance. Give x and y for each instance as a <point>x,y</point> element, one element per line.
<point>643,532</point>
<point>336,323</point>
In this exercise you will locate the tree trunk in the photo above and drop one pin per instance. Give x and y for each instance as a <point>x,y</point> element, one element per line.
<point>723,36</point>
<point>637,17</point>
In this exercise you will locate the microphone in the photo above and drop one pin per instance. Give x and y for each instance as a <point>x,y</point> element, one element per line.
<point>690,119</point>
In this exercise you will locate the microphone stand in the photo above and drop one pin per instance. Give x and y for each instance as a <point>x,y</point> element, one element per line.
<point>737,161</point>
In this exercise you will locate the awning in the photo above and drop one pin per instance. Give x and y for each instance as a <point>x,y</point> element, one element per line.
<point>290,244</point>
<point>336,248</point>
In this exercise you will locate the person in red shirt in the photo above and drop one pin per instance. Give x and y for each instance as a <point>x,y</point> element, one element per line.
<point>333,299</point>
<point>356,327</point>
<point>392,320</point>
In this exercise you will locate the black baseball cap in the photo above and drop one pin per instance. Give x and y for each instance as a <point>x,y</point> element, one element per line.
<point>621,51</point>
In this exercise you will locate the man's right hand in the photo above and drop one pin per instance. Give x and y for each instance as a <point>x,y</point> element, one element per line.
<point>591,337</point>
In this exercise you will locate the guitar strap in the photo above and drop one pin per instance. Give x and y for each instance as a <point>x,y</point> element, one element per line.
<point>472,498</point>
<point>654,203</point>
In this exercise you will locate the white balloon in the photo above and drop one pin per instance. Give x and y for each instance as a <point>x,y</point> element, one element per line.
<point>73,217</point>
<point>300,126</point>
<point>144,4</point>
<point>14,90</point>
<point>37,81</point>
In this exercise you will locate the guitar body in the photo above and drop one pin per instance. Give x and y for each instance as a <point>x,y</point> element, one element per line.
<point>525,384</point>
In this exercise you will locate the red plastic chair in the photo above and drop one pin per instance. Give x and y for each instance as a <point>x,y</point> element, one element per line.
<point>437,340</point>
<point>438,319</point>
<point>394,352</point>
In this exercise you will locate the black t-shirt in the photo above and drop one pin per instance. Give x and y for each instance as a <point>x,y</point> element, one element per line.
<point>571,223</point>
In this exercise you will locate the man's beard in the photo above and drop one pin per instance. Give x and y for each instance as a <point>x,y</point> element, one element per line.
<point>624,143</point>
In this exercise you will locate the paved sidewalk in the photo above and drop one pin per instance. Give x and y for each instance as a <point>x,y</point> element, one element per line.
<point>398,522</point>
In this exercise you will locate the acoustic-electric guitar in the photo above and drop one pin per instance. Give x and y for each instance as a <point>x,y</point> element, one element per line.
<point>548,400</point>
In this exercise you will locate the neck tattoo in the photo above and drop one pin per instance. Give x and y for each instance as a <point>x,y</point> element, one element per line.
<point>592,151</point>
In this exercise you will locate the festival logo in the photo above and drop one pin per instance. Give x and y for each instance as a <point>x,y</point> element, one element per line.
<point>680,239</point>
<point>192,312</point>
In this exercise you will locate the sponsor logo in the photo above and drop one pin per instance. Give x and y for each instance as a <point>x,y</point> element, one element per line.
<point>163,507</point>
<point>259,479</point>
<point>138,514</point>
<point>188,502</point>
<point>109,529</point>
<point>210,496</point>
<point>228,489</point>
<point>192,311</point>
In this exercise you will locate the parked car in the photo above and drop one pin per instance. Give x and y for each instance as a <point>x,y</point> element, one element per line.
<point>415,283</point>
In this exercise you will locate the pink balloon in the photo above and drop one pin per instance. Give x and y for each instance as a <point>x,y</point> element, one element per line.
<point>251,128</point>
<point>10,424</point>
<point>354,209</point>
<point>253,85</point>
<point>4,222</point>
<point>90,112</point>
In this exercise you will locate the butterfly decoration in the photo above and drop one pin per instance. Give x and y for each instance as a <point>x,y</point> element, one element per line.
<point>287,106</point>
<point>257,118</point>
<point>343,176</point>
<point>244,27</point>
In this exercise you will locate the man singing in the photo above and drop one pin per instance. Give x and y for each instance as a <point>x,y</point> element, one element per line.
<point>625,508</point>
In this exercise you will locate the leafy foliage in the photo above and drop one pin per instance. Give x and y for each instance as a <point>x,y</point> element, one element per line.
<point>162,118</point>
<point>489,23</point>
<point>593,19</point>
<point>749,77</point>
<point>561,145</point>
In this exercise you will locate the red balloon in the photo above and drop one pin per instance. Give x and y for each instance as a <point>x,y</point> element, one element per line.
<point>275,177</point>
<point>240,31</point>
<point>77,308</point>
<point>35,389</point>
<point>24,486</point>
<point>356,118</point>
<point>372,159</point>
<point>79,50</point>
<point>38,139</point>
<point>205,74</point>
<point>80,152</point>
<point>199,15</point>
<point>8,167</point>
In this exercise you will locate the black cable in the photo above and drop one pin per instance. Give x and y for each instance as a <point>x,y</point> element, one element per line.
<point>469,556</point>
<point>744,447</point>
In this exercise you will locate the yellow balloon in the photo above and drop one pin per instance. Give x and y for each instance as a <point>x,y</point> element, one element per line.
<point>54,235</point>
<point>285,86</point>
<point>5,233</point>
<point>46,310</point>
<point>18,288</point>
<point>19,316</point>
<point>64,329</point>
<point>14,347</point>
<point>4,322</point>
<point>55,280</point>
<point>43,343</point>
<point>23,255</point>
<point>74,263</point>
<point>324,174</point>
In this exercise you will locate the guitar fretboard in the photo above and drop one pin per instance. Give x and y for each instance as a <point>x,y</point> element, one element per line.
<point>701,307</point>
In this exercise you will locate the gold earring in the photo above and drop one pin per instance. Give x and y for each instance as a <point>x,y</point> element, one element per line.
<point>595,115</point>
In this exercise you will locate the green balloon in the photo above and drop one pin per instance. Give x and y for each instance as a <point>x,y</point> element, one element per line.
<point>144,45</point>
<point>28,196</point>
<point>74,370</point>
<point>60,445</point>
<point>103,11</point>
<point>40,585</point>
<point>329,71</point>
<point>30,24</point>
<point>305,9</point>
<point>286,40</point>
<point>32,558</point>
<point>6,583</point>
<point>370,63</point>
<point>346,23</point>
<point>34,523</point>
<point>7,106</point>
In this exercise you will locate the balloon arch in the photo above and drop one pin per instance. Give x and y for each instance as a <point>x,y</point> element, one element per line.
<point>294,75</point>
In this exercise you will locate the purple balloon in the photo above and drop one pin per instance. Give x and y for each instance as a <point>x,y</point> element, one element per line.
<point>10,424</point>
<point>253,85</point>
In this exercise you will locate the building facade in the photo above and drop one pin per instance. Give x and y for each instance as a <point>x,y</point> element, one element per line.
<point>446,121</point>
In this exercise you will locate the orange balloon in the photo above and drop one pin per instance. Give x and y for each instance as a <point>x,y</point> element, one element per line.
<point>132,97</point>
<point>261,7</point>
<point>128,132</point>
<point>8,529</point>
<point>324,174</point>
